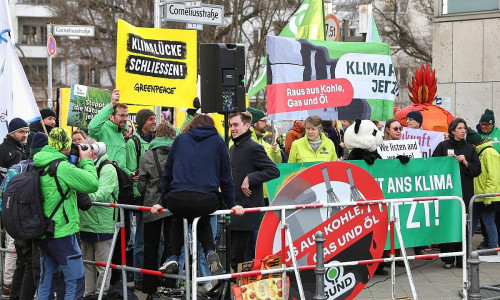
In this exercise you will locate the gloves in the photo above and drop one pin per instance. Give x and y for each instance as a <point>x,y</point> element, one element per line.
<point>403,159</point>
<point>196,104</point>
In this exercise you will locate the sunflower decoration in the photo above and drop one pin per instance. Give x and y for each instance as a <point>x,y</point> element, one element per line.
<point>423,89</point>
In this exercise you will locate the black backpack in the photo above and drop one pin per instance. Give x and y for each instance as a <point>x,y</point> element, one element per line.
<point>22,205</point>
<point>126,187</point>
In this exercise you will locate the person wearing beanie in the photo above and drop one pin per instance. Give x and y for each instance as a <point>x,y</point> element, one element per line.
<point>12,149</point>
<point>488,182</point>
<point>25,249</point>
<point>137,144</point>
<point>39,141</point>
<point>64,245</point>
<point>486,126</point>
<point>259,128</point>
<point>48,120</point>
<point>414,119</point>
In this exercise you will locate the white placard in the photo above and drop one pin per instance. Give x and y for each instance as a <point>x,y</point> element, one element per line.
<point>428,140</point>
<point>393,148</point>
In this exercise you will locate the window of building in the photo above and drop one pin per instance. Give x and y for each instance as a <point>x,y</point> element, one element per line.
<point>90,76</point>
<point>29,35</point>
<point>35,73</point>
<point>466,6</point>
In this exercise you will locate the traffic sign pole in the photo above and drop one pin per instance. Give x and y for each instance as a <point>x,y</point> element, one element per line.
<point>49,71</point>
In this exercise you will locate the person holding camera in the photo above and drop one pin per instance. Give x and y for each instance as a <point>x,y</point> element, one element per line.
<point>97,224</point>
<point>62,250</point>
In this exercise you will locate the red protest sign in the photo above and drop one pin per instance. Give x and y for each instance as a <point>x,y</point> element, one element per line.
<point>352,233</point>
<point>307,95</point>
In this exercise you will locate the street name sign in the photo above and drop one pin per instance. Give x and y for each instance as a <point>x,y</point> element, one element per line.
<point>73,30</point>
<point>206,14</point>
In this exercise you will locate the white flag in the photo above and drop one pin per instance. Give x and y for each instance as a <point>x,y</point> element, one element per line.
<point>17,100</point>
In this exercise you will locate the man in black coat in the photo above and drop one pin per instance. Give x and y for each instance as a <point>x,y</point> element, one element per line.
<point>48,120</point>
<point>12,148</point>
<point>251,167</point>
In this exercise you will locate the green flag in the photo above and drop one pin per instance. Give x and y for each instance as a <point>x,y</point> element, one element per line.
<point>308,22</point>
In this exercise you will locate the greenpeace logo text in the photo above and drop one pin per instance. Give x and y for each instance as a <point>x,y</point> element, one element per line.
<point>149,88</point>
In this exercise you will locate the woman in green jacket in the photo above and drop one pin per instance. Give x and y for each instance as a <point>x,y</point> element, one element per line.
<point>315,146</point>
<point>97,225</point>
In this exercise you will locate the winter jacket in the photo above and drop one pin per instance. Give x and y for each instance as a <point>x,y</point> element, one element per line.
<point>198,162</point>
<point>248,158</point>
<point>293,134</point>
<point>34,128</point>
<point>149,176</point>
<point>302,151</point>
<point>488,182</point>
<point>275,156</point>
<point>332,133</point>
<point>132,157</point>
<point>11,152</point>
<point>467,174</point>
<point>72,179</point>
<point>494,134</point>
<point>103,130</point>
<point>100,219</point>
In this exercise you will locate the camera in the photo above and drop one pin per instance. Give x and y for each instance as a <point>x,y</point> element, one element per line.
<point>99,148</point>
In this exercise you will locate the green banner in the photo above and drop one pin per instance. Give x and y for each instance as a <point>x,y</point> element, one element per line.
<point>423,222</point>
<point>84,103</point>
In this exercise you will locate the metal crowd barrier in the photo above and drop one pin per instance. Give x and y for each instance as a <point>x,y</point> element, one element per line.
<point>319,267</point>
<point>474,261</point>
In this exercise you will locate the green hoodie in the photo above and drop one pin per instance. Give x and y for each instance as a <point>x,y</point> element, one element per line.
<point>100,219</point>
<point>72,179</point>
<point>488,181</point>
<point>132,157</point>
<point>103,130</point>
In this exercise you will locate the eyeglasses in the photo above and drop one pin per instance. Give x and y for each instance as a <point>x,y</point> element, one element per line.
<point>123,116</point>
<point>24,132</point>
<point>485,124</point>
<point>400,128</point>
<point>265,121</point>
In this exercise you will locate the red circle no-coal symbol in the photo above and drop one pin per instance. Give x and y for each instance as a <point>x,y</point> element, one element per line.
<point>51,46</point>
<point>352,232</point>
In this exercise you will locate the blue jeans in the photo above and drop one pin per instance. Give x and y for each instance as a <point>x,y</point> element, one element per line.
<point>64,254</point>
<point>488,217</point>
<point>204,268</point>
<point>139,245</point>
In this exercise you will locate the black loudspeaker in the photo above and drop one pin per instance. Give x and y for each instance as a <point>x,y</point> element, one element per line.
<point>222,69</point>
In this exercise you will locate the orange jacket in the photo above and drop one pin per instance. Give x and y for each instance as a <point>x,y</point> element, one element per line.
<point>293,134</point>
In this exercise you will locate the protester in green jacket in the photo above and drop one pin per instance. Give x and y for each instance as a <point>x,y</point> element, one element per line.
<point>487,128</point>
<point>97,226</point>
<point>64,245</point>
<point>108,126</point>
<point>488,182</point>
<point>315,146</point>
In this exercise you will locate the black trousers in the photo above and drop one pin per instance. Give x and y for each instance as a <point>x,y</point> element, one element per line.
<point>239,244</point>
<point>27,273</point>
<point>152,232</point>
<point>190,205</point>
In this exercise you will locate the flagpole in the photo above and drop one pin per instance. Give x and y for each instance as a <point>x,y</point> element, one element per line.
<point>49,71</point>
<point>7,7</point>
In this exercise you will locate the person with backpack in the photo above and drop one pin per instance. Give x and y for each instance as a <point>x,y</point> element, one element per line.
<point>12,152</point>
<point>58,190</point>
<point>150,172</point>
<point>97,224</point>
<point>27,268</point>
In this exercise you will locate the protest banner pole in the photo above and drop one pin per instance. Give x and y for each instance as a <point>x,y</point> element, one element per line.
<point>49,71</point>
<point>157,24</point>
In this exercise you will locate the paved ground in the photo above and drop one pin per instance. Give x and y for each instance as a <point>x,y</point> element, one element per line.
<point>431,280</point>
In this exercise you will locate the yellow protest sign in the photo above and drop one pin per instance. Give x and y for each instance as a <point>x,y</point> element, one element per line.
<point>63,109</point>
<point>156,66</point>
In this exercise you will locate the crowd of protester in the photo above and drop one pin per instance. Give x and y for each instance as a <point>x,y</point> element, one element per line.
<point>192,172</point>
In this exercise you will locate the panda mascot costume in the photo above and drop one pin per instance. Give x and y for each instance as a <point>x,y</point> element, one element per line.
<point>362,139</point>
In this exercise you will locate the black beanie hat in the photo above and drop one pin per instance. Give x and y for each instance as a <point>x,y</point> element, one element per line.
<point>142,116</point>
<point>417,116</point>
<point>488,117</point>
<point>39,141</point>
<point>47,113</point>
<point>16,124</point>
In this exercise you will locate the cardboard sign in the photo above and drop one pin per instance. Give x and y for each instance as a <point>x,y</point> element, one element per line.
<point>156,66</point>
<point>393,148</point>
